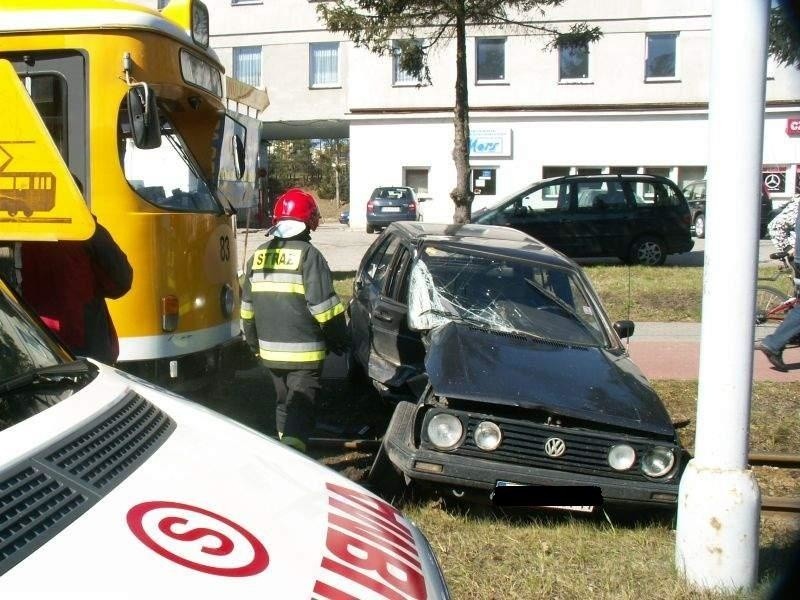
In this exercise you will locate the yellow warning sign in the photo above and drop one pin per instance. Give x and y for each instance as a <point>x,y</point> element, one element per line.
<point>38,196</point>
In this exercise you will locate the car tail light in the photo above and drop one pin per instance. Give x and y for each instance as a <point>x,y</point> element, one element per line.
<point>412,207</point>
<point>370,205</point>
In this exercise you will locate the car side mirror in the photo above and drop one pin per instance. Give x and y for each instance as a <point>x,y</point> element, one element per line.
<point>143,115</point>
<point>624,328</point>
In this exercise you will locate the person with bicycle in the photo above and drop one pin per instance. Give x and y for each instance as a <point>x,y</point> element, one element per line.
<point>782,228</point>
<point>773,345</point>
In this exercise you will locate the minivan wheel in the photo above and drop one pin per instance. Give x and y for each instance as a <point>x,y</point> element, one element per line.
<point>648,250</point>
<point>700,226</point>
<point>370,228</point>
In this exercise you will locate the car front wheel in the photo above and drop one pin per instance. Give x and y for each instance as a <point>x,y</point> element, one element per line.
<point>648,250</point>
<point>700,226</point>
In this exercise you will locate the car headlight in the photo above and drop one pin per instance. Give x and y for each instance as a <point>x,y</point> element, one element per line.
<point>658,461</point>
<point>621,457</point>
<point>487,435</point>
<point>445,431</point>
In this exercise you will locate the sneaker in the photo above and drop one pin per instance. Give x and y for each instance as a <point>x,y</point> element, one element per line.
<point>774,358</point>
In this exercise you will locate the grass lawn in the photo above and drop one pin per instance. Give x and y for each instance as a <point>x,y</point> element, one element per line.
<point>488,555</point>
<point>638,293</point>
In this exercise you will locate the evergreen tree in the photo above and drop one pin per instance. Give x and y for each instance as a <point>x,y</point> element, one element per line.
<point>373,23</point>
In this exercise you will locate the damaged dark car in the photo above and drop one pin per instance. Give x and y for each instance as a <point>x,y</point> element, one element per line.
<point>507,373</point>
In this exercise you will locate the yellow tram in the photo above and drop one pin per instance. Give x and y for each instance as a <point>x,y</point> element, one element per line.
<point>134,100</point>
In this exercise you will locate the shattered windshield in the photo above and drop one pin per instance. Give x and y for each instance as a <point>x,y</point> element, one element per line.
<point>501,293</point>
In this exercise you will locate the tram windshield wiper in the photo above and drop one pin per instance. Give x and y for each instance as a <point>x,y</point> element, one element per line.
<point>62,375</point>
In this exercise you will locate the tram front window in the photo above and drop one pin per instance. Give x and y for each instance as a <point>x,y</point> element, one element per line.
<point>167,176</point>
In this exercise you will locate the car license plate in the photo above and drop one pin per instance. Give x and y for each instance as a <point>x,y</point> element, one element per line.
<point>571,508</point>
<point>391,209</point>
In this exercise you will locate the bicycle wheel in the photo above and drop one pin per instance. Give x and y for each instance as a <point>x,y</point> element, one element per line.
<point>767,300</point>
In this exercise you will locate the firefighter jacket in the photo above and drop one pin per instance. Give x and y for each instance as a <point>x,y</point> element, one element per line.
<point>291,314</point>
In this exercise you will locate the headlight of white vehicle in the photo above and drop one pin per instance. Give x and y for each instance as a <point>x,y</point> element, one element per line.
<point>658,461</point>
<point>445,431</point>
<point>621,457</point>
<point>487,435</point>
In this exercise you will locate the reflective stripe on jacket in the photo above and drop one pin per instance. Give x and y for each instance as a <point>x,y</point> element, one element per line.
<point>289,307</point>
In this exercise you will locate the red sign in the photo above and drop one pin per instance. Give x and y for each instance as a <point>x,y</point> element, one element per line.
<point>793,126</point>
<point>198,539</point>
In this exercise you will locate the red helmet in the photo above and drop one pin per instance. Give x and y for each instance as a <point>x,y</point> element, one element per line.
<point>296,204</point>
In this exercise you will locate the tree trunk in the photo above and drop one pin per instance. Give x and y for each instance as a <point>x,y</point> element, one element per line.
<point>461,194</point>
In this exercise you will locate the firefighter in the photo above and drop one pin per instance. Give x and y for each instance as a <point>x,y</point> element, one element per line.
<point>291,314</point>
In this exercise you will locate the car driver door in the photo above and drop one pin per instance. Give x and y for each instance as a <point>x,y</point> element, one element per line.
<point>397,351</point>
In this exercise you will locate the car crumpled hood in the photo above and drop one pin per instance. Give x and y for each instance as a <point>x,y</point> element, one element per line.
<point>587,383</point>
<point>216,511</point>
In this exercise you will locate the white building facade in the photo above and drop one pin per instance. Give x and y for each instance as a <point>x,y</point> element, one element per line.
<point>637,101</point>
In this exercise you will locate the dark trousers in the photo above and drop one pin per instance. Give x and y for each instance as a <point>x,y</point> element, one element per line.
<point>296,393</point>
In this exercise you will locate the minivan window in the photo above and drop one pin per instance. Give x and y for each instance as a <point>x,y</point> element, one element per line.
<point>654,194</point>
<point>548,197</point>
<point>605,195</point>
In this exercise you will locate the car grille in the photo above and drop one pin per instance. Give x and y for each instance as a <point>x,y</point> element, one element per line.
<point>40,496</point>
<point>523,444</point>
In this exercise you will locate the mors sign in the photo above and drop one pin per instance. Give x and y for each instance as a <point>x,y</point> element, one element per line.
<point>490,142</point>
<point>793,126</point>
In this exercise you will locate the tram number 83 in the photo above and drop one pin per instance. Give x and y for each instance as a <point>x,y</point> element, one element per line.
<point>224,248</point>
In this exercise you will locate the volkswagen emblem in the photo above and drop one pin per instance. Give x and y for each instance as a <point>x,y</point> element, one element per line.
<point>555,447</point>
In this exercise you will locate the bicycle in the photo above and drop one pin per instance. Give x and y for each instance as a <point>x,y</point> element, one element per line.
<point>772,304</point>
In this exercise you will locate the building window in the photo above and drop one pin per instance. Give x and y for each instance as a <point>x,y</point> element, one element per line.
<point>247,65</point>
<point>661,56</point>
<point>687,174</point>
<point>417,179</point>
<point>399,76</point>
<point>484,181</point>
<point>323,64</point>
<point>589,171</point>
<point>490,59</point>
<point>623,170</point>
<point>573,62</point>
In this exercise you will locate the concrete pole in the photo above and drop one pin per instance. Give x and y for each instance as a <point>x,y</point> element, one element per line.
<point>719,501</point>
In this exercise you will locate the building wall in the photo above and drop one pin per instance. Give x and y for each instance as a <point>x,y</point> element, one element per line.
<point>613,118</point>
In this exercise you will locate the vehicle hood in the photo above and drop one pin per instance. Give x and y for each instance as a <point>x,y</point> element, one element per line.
<point>217,510</point>
<point>501,368</point>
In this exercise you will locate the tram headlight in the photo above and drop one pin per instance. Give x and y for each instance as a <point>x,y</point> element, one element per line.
<point>445,431</point>
<point>200,24</point>
<point>226,300</point>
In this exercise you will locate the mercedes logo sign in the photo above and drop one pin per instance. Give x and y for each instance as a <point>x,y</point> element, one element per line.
<point>555,447</point>
<point>772,181</point>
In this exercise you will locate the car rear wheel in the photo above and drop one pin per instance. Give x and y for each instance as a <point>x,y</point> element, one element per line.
<point>648,250</point>
<point>370,228</point>
<point>700,226</point>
